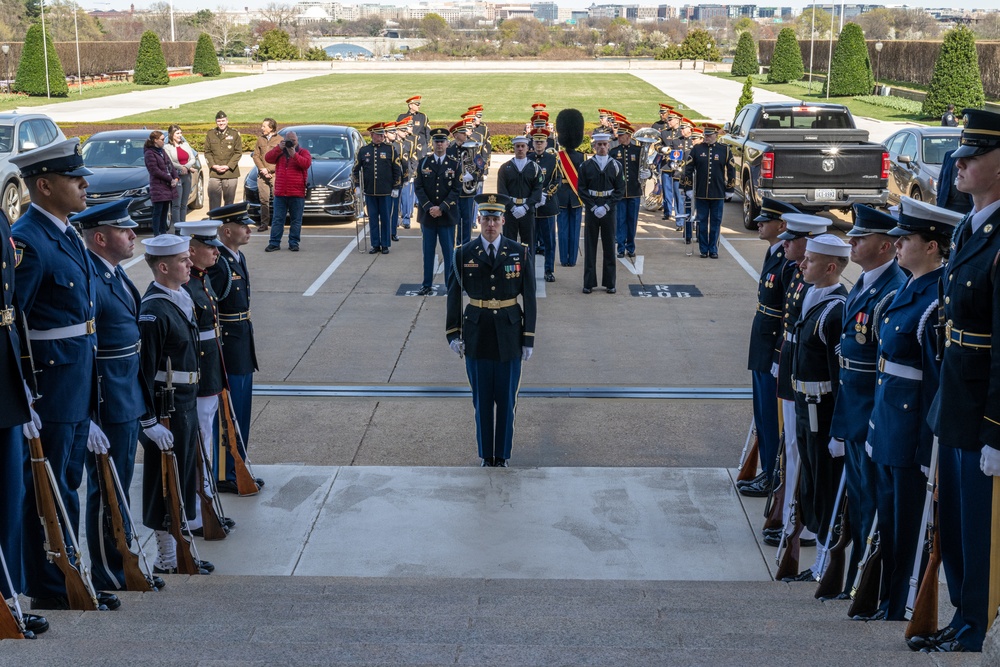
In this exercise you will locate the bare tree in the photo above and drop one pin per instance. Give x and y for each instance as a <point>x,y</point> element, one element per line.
<point>13,20</point>
<point>222,28</point>
<point>280,14</point>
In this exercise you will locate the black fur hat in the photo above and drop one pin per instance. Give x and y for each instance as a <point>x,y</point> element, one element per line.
<point>569,127</point>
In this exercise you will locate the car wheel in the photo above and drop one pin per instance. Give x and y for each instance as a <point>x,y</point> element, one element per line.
<point>11,202</point>
<point>917,194</point>
<point>750,208</point>
<point>199,196</point>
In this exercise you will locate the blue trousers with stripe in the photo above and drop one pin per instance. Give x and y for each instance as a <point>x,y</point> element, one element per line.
<point>494,393</point>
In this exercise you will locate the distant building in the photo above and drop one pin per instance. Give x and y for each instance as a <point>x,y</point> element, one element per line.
<point>546,11</point>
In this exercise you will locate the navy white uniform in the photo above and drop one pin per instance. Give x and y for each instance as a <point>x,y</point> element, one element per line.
<point>600,187</point>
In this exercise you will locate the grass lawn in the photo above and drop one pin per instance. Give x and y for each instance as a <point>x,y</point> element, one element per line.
<point>95,90</point>
<point>368,98</point>
<point>857,107</point>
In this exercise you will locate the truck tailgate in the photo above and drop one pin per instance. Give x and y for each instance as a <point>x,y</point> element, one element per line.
<point>809,166</point>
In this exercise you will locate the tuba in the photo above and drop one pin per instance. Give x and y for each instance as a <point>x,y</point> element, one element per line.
<point>469,150</point>
<point>650,141</point>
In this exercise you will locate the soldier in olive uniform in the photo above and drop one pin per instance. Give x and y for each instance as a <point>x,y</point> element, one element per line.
<point>629,156</point>
<point>421,126</point>
<point>377,175</point>
<point>223,150</point>
<point>495,333</point>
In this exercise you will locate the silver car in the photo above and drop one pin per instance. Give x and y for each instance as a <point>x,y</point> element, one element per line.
<point>20,132</point>
<point>915,157</point>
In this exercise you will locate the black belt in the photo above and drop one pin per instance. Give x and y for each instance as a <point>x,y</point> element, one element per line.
<point>235,317</point>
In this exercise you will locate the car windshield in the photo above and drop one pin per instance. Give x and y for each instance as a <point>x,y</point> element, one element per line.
<point>936,147</point>
<point>323,146</point>
<point>114,153</point>
<point>6,138</point>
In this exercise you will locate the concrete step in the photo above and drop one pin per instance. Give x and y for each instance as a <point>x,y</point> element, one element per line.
<point>245,620</point>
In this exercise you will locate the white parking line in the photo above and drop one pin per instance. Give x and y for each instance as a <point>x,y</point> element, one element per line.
<point>755,274</point>
<point>132,262</point>
<point>539,276</point>
<point>323,277</point>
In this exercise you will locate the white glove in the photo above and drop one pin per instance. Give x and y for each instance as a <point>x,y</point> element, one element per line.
<point>97,442</point>
<point>160,435</point>
<point>989,462</point>
<point>358,193</point>
<point>600,211</point>
<point>394,193</point>
<point>31,428</point>
<point>926,471</point>
<point>774,370</point>
<point>644,174</point>
<point>868,450</point>
<point>836,448</point>
<point>467,177</point>
<point>526,352</point>
<point>519,211</point>
<point>689,194</point>
<point>542,202</point>
<point>458,347</point>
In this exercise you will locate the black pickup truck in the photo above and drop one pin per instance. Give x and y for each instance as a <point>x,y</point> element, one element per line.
<point>809,155</point>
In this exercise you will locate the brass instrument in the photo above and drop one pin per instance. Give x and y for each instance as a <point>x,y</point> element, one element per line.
<point>650,141</point>
<point>468,159</point>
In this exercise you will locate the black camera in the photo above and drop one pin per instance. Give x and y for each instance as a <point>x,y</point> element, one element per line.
<point>289,143</point>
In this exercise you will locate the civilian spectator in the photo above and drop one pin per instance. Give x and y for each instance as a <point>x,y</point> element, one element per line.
<point>183,157</point>
<point>162,180</point>
<point>267,140</point>
<point>291,171</point>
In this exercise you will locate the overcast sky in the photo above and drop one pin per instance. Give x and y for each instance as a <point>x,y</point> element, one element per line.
<point>194,5</point>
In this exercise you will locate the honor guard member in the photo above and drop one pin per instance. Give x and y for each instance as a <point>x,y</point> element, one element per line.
<point>421,126</point>
<point>437,188</point>
<point>798,228</point>
<point>708,171</point>
<point>548,208</point>
<point>377,175</point>
<point>230,278</point>
<point>480,133</point>
<point>601,185</point>
<point>629,156</point>
<point>667,166</point>
<point>392,139</point>
<point>662,124</point>
<point>520,180</point>
<point>470,169</point>
<point>109,234</point>
<point>570,160</point>
<point>948,195</point>
<point>875,252</point>
<point>408,165</point>
<point>682,213</point>
<point>765,334</point>
<point>56,293</point>
<point>17,422</point>
<point>169,332</point>
<point>899,437</point>
<point>815,370</point>
<point>965,415</point>
<point>540,121</point>
<point>204,252</point>
<point>495,334</point>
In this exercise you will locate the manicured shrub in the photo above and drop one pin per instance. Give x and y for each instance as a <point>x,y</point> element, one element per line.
<point>956,77</point>
<point>851,69</point>
<point>745,61</point>
<point>150,65</point>
<point>786,63</point>
<point>206,62</point>
<point>30,77</point>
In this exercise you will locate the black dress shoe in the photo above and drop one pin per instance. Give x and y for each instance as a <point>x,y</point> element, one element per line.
<point>173,570</point>
<point>157,582</point>
<point>109,600</point>
<point>385,251</point>
<point>227,486</point>
<point>687,241</point>
<point>35,624</point>
<point>260,482</point>
<point>879,615</point>
<point>953,646</point>
<point>375,250</point>
<point>293,248</point>
<point>611,290</point>
<point>394,237</point>
<point>499,463</point>
<point>200,531</point>
<point>807,542</point>
<point>714,255</point>
<point>704,255</point>
<point>406,225</point>
<point>838,596</point>
<point>942,636</point>
<point>424,291</point>
<point>271,248</point>
<point>621,253</point>
<point>549,278</point>
<point>53,603</point>
<point>587,290</point>
<point>631,255</point>
<point>746,482</point>
<point>487,462</point>
<point>771,540</point>
<point>804,575</point>
<point>757,489</point>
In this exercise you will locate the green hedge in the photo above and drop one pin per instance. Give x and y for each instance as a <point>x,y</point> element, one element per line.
<point>150,65</point>
<point>745,61</point>
<point>30,77</point>
<point>786,64</point>
<point>890,102</point>
<point>206,62</point>
<point>850,69</point>
<point>956,78</point>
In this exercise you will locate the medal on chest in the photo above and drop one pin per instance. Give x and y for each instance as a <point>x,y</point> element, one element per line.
<point>861,327</point>
<point>512,270</point>
<point>769,281</point>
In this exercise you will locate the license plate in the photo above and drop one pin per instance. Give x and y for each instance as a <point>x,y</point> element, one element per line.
<point>826,194</point>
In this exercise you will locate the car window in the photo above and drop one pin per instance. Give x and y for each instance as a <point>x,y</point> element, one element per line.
<point>739,121</point>
<point>6,138</point>
<point>896,142</point>
<point>114,153</point>
<point>25,139</point>
<point>909,147</point>
<point>44,134</point>
<point>935,148</point>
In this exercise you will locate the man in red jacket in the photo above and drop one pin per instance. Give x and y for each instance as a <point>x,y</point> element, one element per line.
<point>290,176</point>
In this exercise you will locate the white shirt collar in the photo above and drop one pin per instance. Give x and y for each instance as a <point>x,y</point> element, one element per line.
<point>111,267</point>
<point>179,298</point>
<point>979,217</point>
<point>602,160</point>
<point>814,296</point>
<point>61,224</point>
<point>487,244</point>
<point>871,276</point>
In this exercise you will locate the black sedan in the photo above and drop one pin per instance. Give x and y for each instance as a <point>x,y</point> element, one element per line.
<point>915,157</point>
<point>329,188</point>
<point>118,162</point>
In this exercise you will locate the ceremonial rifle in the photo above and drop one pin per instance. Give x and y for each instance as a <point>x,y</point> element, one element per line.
<point>11,621</point>
<point>791,542</point>
<point>170,479</point>
<point>107,477</point>
<point>868,581</point>
<point>822,560</point>
<point>775,503</point>
<point>212,527</point>
<point>246,483</point>
<point>79,590</point>
<point>832,583</point>
<point>747,467</point>
<point>922,598</point>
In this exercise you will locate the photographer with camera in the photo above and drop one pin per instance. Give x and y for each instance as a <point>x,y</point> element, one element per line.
<point>290,173</point>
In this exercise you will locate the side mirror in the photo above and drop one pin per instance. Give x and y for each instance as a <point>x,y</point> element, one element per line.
<point>28,145</point>
<point>904,159</point>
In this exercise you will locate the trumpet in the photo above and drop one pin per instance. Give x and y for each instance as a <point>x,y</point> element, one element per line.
<point>469,151</point>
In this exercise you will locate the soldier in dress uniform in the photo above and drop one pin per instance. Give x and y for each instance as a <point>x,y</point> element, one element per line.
<point>682,214</point>
<point>378,176</point>
<point>520,180</point>
<point>570,128</point>
<point>230,278</point>
<point>662,124</point>
<point>109,235</point>
<point>421,126</point>
<point>601,185</point>
<point>668,137</point>
<point>965,415</point>
<point>899,437</point>
<point>815,370</point>
<point>408,164</point>
<point>480,133</point>
<point>471,169</point>
<point>875,252</point>
<point>56,293</point>
<point>495,334</point>
<point>629,156</point>
<point>17,422</point>
<point>765,333</point>
<point>709,170</point>
<point>392,139</point>
<point>437,188</point>
<point>168,331</point>
<point>548,208</point>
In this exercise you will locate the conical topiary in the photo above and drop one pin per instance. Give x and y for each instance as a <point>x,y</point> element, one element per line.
<point>206,62</point>
<point>30,77</point>
<point>150,65</point>
<point>745,61</point>
<point>786,62</point>
<point>851,68</point>
<point>956,78</point>
<point>746,97</point>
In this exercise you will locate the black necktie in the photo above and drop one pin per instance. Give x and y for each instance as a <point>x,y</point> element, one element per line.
<point>493,253</point>
<point>121,278</point>
<point>73,239</point>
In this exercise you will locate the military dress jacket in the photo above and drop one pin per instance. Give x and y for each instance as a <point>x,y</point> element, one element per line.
<point>898,431</point>
<point>15,411</point>
<point>766,330</point>
<point>795,290</point>
<point>122,399</point>
<point>966,411</point>
<point>859,354</point>
<point>230,278</point>
<point>524,187</point>
<point>709,170</point>
<point>817,345</point>
<point>378,170</point>
<point>409,158</point>
<point>551,180</point>
<point>476,167</point>
<point>421,130</point>
<point>167,333</point>
<point>629,156</point>
<point>437,185</point>
<point>565,196</point>
<point>55,289</point>
<point>223,148</point>
<point>498,330</point>
<point>601,187</point>
<point>206,313</point>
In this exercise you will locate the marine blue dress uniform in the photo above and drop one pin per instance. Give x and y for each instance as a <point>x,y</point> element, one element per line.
<point>437,186</point>
<point>123,399</point>
<point>856,398</point>
<point>966,411</point>
<point>495,332</point>
<point>899,437</point>
<point>378,174</point>
<point>709,170</point>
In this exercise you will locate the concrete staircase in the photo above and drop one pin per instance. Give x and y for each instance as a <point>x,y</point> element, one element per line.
<point>249,621</point>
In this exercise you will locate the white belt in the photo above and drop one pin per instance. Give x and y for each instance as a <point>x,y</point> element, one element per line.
<point>72,331</point>
<point>178,377</point>
<point>600,193</point>
<point>899,370</point>
<point>790,337</point>
<point>208,335</point>
<point>812,388</point>
<point>857,366</point>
